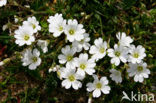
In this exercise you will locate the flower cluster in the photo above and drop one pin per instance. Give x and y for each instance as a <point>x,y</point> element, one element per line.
<point>25,35</point>
<point>75,68</point>
<point>79,59</point>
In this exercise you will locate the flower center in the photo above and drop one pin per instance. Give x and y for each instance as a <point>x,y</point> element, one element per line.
<point>135,55</point>
<point>102,50</point>
<point>82,66</point>
<point>117,73</point>
<point>34,59</point>
<point>117,53</point>
<point>71,78</point>
<point>140,68</point>
<point>60,28</point>
<point>26,37</point>
<point>34,26</point>
<point>98,85</point>
<point>69,58</point>
<point>71,31</point>
<point>82,41</point>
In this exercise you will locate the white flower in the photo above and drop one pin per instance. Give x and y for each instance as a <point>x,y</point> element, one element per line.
<point>27,6</point>
<point>1,63</point>
<point>3,2</point>
<point>71,79</point>
<point>32,22</point>
<point>54,69</point>
<point>67,56</point>
<point>57,24</point>
<point>5,61</point>
<point>136,54</point>
<point>117,54</point>
<point>74,31</point>
<point>31,58</point>
<point>98,85</point>
<point>84,65</point>
<point>139,71</point>
<point>83,43</point>
<point>116,75</point>
<point>24,35</point>
<point>43,44</point>
<point>50,70</point>
<point>98,49</point>
<point>16,19</point>
<point>5,27</point>
<point>123,39</point>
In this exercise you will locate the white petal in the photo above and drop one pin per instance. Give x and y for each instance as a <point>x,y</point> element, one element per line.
<point>104,80</point>
<point>136,78</point>
<point>90,71</point>
<point>90,87</point>
<point>106,89</point>
<point>66,84</point>
<point>32,66</point>
<point>96,93</point>
<point>76,84</point>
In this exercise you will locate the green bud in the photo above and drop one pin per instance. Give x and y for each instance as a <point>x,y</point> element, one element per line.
<point>150,55</point>
<point>83,13</point>
<point>87,17</point>
<point>6,60</point>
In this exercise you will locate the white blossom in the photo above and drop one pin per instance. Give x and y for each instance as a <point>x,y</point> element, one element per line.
<point>43,44</point>
<point>83,43</point>
<point>123,39</point>
<point>54,69</point>
<point>98,85</point>
<point>24,35</point>
<point>32,22</point>
<point>5,27</point>
<point>85,65</point>
<point>16,19</point>
<point>3,2</point>
<point>116,75</point>
<point>98,50</point>
<point>1,63</point>
<point>136,54</point>
<point>57,24</point>
<point>139,71</point>
<point>117,54</point>
<point>67,56</point>
<point>74,31</point>
<point>71,79</point>
<point>31,58</point>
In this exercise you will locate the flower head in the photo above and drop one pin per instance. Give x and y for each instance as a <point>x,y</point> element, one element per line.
<point>84,65</point>
<point>83,43</point>
<point>117,54</point>
<point>43,44</point>
<point>32,22</point>
<point>74,31</point>
<point>136,54</point>
<point>98,49</point>
<point>67,56</point>
<point>3,2</point>
<point>98,85</point>
<point>57,24</point>
<point>54,69</point>
<point>139,71</point>
<point>31,58</point>
<point>123,39</point>
<point>116,75</point>
<point>24,35</point>
<point>71,78</point>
